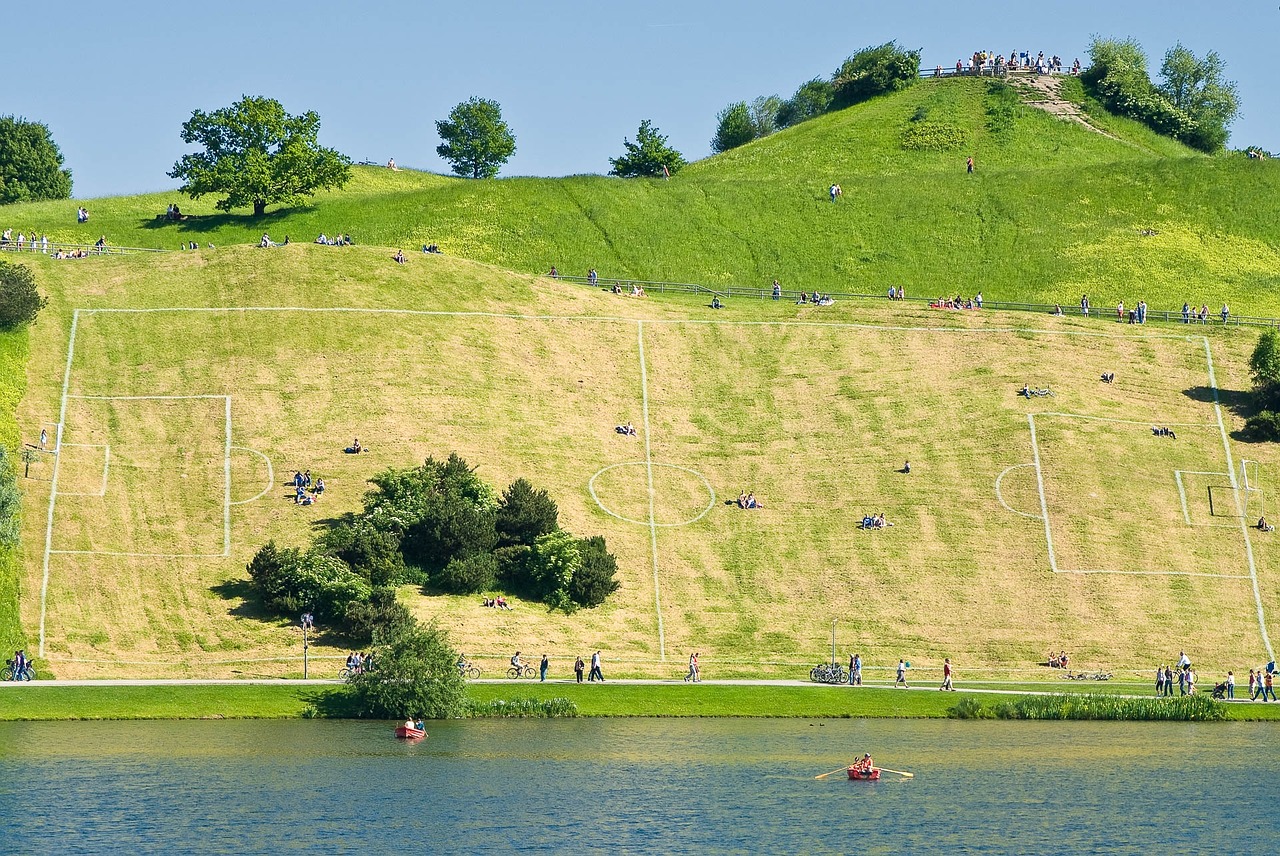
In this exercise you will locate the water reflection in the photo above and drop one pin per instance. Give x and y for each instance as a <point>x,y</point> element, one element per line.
<point>682,786</point>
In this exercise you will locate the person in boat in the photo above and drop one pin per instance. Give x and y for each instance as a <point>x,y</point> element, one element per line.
<point>421,726</point>
<point>410,725</point>
<point>865,765</point>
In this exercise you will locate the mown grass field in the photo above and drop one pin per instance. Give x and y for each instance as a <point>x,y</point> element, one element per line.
<point>259,701</point>
<point>813,409</point>
<point>1054,210</point>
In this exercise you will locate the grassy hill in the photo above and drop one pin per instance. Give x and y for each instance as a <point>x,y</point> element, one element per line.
<point>1053,210</point>
<point>163,498</point>
<point>812,408</point>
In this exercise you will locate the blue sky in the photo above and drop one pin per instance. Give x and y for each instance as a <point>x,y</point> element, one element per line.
<point>115,81</point>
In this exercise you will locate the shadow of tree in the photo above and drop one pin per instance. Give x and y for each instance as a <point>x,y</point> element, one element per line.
<point>199,224</point>
<point>1241,403</point>
<point>242,590</point>
<point>332,704</point>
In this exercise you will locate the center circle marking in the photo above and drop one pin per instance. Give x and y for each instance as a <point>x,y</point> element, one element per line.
<point>591,488</point>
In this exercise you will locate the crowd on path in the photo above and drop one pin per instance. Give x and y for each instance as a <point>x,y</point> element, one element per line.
<point>982,63</point>
<point>1187,680</point>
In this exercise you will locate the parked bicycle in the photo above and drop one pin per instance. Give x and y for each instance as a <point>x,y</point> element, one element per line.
<point>1090,676</point>
<point>828,673</point>
<point>27,673</point>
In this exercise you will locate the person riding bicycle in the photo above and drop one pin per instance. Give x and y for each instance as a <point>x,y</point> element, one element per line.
<point>518,664</point>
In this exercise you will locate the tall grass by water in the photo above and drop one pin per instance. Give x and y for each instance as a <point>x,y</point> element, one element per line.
<point>1098,706</point>
<point>521,708</point>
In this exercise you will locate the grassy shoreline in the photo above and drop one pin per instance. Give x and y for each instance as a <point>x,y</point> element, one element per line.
<point>34,702</point>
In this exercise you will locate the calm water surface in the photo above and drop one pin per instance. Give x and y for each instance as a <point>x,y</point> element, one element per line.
<point>636,786</point>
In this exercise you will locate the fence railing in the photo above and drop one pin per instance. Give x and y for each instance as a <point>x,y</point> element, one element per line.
<point>726,292</point>
<point>52,248</point>
<point>990,71</point>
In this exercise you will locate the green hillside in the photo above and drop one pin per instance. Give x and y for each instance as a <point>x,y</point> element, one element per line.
<point>813,408</point>
<point>1053,210</point>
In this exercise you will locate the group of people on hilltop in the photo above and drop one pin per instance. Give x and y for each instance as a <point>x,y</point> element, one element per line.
<point>334,241</point>
<point>1191,315</point>
<point>988,62</point>
<point>957,302</point>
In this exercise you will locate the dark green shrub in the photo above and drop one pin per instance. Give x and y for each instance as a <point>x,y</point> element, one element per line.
<point>20,303</point>
<point>416,675</point>
<point>370,552</point>
<point>524,513</point>
<point>378,618</point>
<point>969,708</point>
<point>733,128</point>
<point>1263,426</point>
<point>467,574</point>
<point>594,579</point>
<point>874,71</point>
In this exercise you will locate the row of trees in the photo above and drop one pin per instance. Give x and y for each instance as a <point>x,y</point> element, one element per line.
<point>441,526</point>
<point>870,72</point>
<point>1193,102</point>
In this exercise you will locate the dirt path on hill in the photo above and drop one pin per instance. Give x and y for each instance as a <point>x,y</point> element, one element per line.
<point>1044,91</point>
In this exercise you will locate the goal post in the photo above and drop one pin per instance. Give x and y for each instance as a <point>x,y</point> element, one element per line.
<point>1251,486</point>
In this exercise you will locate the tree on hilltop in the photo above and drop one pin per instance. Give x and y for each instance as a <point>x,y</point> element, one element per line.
<point>1198,88</point>
<point>647,156</point>
<point>874,71</point>
<point>733,128</point>
<point>477,142</point>
<point>30,163</point>
<point>257,154</point>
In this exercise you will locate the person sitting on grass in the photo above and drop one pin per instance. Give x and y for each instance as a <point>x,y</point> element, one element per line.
<point>319,489</point>
<point>715,303</point>
<point>501,603</point>
<point>751,501</point>
<point>399,257</point>
<point>355,448</point>
<point>1264,526</point>
<point>742,499</point>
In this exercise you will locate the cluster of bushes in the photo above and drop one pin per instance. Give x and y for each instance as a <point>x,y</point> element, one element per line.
<point>1264,369</point>
<point>522,708</point>
<point>441,526</point>
<point>20,302</point>
<point>1193,102</point>
<point>1095,706</point>
<point>870,72</point>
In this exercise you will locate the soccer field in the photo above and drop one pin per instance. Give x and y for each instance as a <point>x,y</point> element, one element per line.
<point>1024,524</point>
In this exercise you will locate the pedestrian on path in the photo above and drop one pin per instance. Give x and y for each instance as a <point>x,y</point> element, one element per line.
<point>693,668</point>
<point>853,667</point>
<point>1267,689</point>
<point>946,676</point>
<point>595,673</point>
<point>1231,686</point>
<point>542,668</point>
<point>856,677</point>
<point>902,674</point>
<point>1253,686</point>
<point>1168,680</point>
<point>1160,680</point>
<point>578,668</point>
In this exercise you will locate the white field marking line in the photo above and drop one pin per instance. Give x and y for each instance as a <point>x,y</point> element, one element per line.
<point>106,462</point>
<point>226,494</point>
<point>1000,496</point>
<point>144,397</point>
<point>1124,421</point>
<point>1044,505</point>
<point>648,464</point>
<point>1244,527</point>
<point>54,658</point>
<point>617,319</point>
<point>139,555</point>
<point>271,476</point>
<point>53,486</point>
<point>591,489</point>
<point>1182,495</point>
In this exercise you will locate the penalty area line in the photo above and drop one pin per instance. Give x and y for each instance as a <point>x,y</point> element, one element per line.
<point>648,465</point>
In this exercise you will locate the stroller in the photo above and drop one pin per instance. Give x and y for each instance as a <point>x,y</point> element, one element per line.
<point>1220,691</point>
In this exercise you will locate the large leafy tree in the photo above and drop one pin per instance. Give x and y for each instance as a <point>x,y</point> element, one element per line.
<point>733,127</point>
<point>647,155</point>
<point>20,302</point>
<point>477,142</point>
<point>30,163</point>
<point>811,99</point>
<point>1198,88</point>
<point>415,674</point>
<point>874,71</point>
<point>257,154</point>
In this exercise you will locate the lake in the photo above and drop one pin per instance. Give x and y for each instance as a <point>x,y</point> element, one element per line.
<point>636,786</point>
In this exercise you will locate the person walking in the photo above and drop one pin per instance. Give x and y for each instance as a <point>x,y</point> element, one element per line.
<point>693,668</point>
<point>856,677</point>
<point>578,668</point>
<point>968,165</point>
<point>1267,689</point>
<point>595,673</point>
<point>946,676</point>
<point>1168,680</point>
<point>1159,681</point>
<point>1231,686</point>
<point>853,668</point>
<point>542,668</point>
<point>1253,686</point>
<point>902,675</point>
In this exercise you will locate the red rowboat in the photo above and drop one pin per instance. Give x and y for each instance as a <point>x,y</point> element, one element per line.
<point>418,733</point>
<point>860,775</point>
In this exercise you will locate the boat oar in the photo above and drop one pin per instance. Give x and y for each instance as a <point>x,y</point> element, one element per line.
<point>832,773</point>
<point>898,772</point>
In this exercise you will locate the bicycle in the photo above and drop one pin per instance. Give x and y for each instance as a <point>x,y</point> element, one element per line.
<point>26,674</point>
<point>468,671</point>
<point>524,670</point>
<point>828,673</point>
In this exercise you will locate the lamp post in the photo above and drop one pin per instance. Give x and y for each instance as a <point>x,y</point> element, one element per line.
<point>833,641</point>
<point>305,646</point>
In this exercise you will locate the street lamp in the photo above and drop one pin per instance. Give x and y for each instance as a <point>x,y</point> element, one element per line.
<point>306,644</point>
